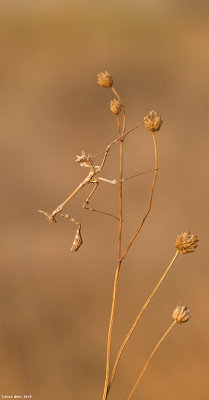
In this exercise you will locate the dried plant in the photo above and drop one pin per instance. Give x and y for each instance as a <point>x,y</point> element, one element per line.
<point>185,242</point>
<point>181,314</point>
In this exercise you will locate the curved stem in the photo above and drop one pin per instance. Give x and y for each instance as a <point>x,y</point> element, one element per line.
<point>150,201</point>
<point>138,318</point>
<point>116,93</point>
<point>149,359</point>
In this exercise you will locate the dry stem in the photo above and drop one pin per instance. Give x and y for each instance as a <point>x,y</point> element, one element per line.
<point>149,359</point>
<point>109,338</point>
<point>119,251</point>
<point>138,318</point>
<point>123,136</point>
<point>150,201</point>
<point>107,385</point>
<point>120,192</point>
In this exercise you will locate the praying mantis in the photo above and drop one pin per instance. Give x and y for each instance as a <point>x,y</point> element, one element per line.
<point>85,160</point>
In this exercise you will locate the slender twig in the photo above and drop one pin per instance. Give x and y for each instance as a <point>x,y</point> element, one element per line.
<point>118,139</point>
<point>109,339</point>
<point>107,385</point>
<point>149,359</point>
<point>115,93</point>
<point>110,330</point>
<point>150,201</point>
<point>120,192</point>
<point>138,318</point>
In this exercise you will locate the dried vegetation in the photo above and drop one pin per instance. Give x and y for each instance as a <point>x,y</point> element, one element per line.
<point>185,242</point>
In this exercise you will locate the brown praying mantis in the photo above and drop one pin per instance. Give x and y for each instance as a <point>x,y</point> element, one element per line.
<point>85,160</point>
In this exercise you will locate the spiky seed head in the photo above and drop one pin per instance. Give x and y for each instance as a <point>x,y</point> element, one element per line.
<point>77,240</point>
<point>186,243</point>
<point>153,121</point>
<point>104,79</point>
<point>181,314</point>
<point>115,106</point>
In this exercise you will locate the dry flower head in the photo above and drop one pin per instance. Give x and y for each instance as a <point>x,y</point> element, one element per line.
<point>115,106</point>
<point>181,314</point>
<point>104,79</point>
<point>153,121</point>
<point>186,243</point>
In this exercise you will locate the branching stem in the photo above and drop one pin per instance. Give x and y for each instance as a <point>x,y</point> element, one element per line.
<point>107,382</point>
<point>150,200</point>
<point>138,318</point>
<point>123,136</point>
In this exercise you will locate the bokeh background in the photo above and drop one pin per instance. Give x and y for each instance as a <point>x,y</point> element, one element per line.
<point>54,305</point>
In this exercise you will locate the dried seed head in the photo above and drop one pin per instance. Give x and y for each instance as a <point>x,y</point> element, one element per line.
<point>78,240</point>
<point>186,243</point>
<point>153,121</point>
<point>48,216</point>
<point>181,314</point>
<point>115,106</point>
<point>104,79</point>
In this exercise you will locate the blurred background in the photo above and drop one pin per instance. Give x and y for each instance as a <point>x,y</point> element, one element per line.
<point>54,304</point>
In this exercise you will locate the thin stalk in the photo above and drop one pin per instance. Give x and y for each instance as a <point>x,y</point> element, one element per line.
<point>115,93</point>
<point>138,318</point>
<point>117,140</point>
<point>150,200</point>
<point>120,192</point>
<point>119,253</point>
<point>106,391</point>
<point>149,359</point>
<point>110,331</point>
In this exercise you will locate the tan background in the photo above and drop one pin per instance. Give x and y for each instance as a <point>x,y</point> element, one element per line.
<point>54,305</point>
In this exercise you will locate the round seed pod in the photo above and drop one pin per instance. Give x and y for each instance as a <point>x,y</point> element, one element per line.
<point>153,121</point>
<point>105,79</point>
<point>115,106</point>
<point>181,314</point>
<point>186,243</point>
